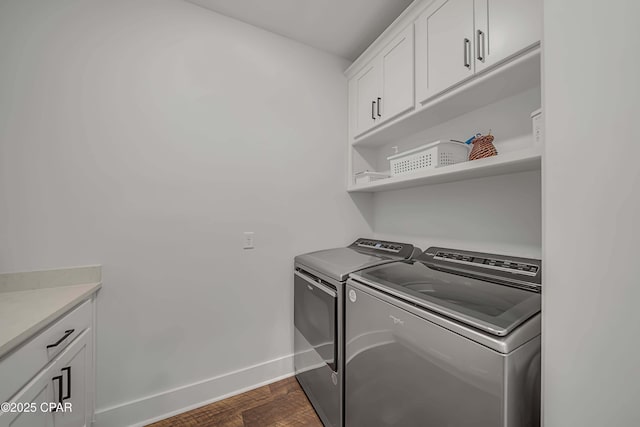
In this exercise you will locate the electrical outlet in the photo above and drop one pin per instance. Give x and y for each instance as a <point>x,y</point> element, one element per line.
<point>248,240</point>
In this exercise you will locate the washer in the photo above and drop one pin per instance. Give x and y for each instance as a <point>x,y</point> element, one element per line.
<point>319,293</point>
<point>449,339</point>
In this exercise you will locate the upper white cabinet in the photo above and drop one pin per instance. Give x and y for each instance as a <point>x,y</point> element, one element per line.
<point>384,88</point>
<point>504,28</point>
<point>447,69</point>
<point>397,76</point>
<point>456,39</point>
<point>367,90</point>
<point>444,46</point>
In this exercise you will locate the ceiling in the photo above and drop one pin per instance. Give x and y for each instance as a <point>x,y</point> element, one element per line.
<point>342,27</point>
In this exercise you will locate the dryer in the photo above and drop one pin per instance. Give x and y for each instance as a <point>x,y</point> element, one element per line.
<point>319,283</point>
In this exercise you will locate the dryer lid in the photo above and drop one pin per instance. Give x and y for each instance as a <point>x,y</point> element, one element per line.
<point>494,308</point>
<point>338,263</point>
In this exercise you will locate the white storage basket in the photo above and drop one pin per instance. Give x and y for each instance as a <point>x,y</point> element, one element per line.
<point>433,155</point>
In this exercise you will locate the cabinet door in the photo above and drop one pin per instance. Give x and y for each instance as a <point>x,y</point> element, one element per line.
<point>444,48</point>
<point>367,90</point>
<point>72,367</point>
<point>504,28</point>
<point>397,76</point>
<point>37,393</point>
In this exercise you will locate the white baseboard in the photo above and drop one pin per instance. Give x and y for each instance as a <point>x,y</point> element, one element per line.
<point>159,406</point>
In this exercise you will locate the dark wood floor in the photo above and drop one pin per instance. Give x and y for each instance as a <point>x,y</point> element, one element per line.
<point>281,404</point>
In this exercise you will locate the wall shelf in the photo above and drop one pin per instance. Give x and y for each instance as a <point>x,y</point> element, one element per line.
<point>509,78</point>
<point>512,162</point>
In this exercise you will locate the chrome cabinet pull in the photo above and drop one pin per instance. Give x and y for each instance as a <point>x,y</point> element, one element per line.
<point>465,51</point>
<point>379,100</point>
<point>481,46</point>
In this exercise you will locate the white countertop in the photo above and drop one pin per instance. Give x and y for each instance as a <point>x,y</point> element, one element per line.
<point>24,313</point>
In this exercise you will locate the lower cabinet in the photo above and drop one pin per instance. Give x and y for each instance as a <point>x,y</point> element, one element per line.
<point>69,376</point>
<point>50,380</point>
<point>25,408</point>
<point>57,396</point>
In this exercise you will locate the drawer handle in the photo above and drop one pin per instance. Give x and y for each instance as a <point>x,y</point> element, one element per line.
<point>68,369</point>
<point>59,379</point>
<point>64,337</point>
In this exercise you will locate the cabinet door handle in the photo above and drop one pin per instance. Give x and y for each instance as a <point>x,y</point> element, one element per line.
<point>68,370</point>
<point>465,50</point>
<point>379,100</point>
<point>373,108</point>
<point>59,379</point>
<point>64,337</point>
<point>480,45</point>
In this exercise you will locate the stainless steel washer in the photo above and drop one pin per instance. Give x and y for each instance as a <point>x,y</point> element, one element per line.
<point>449,339</point>
<point>319,281</point>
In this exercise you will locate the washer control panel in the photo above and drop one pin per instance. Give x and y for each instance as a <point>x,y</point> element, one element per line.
<point>492,263</point>
<point>525,273</point>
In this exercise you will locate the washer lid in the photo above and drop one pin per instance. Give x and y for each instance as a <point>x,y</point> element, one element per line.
<point>494,308</point>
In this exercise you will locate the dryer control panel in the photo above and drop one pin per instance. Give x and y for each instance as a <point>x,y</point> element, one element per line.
<point>402,250</point>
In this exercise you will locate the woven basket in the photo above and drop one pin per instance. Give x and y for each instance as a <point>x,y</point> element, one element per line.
<point>483,147</point>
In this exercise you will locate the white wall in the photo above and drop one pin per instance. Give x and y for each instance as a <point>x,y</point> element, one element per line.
<point>591,376</point>
<point>146,136</point>
<point>499,214</point>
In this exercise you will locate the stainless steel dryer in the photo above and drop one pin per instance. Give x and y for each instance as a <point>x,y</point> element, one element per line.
<point>319,281</point>
<point>449,339</point>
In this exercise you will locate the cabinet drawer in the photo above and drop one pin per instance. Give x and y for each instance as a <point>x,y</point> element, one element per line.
<point>20,366</point>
